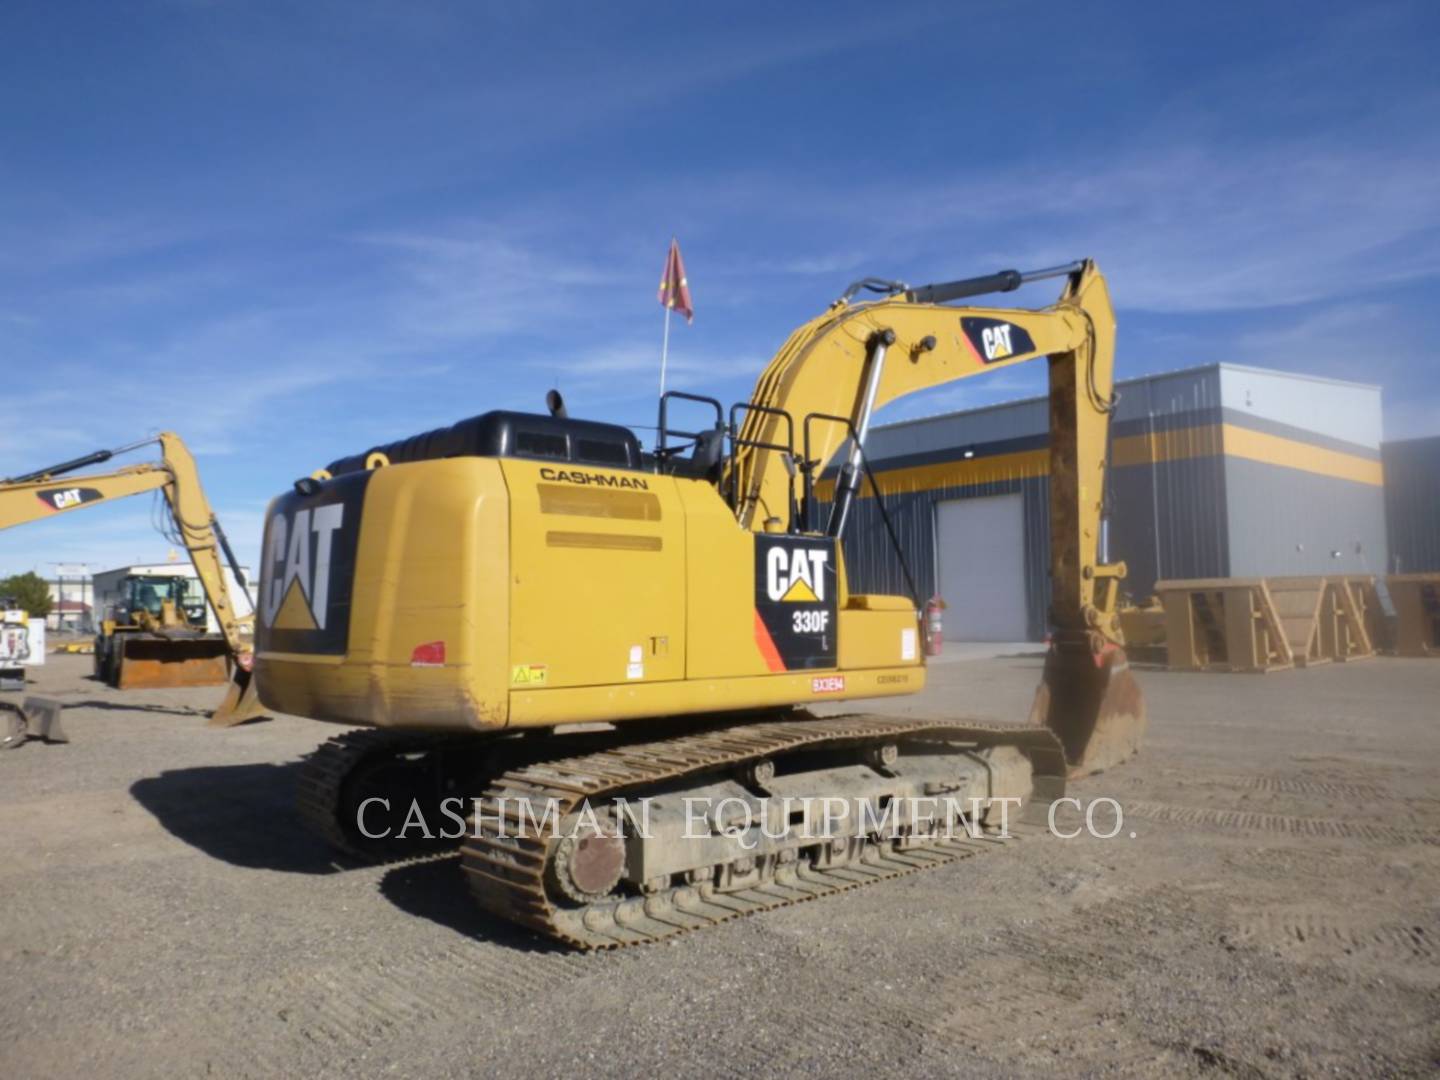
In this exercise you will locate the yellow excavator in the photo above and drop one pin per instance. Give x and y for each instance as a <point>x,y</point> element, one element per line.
<point>537,623</point>
<point>154,644</point>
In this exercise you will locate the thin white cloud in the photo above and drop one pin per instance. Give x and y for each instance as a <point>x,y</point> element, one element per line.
<point>1371,341</point>
<point>470,280</point>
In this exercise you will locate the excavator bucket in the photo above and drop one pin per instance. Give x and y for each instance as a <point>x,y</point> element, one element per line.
<point>148,663</point>
<point>1093,704</point>
<point>36,718</point>
<point>241,702</point>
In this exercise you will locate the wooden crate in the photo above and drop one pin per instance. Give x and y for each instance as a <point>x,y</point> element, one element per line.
<point>1350,617</point>
<point>1417,613</point>
<point>1269,624</point>
<point>1298,603</point>
<point>1223,624</point>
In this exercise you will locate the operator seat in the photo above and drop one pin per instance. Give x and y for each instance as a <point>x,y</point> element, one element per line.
<point>705,457</point>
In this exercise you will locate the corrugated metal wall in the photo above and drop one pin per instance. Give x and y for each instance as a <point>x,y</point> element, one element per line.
<point>1168,520</point>
<point>873,565</point>
<point>1167,481</point>
<point>1288,521</point>
<point>1304,490</point>
<point>1412,504</point>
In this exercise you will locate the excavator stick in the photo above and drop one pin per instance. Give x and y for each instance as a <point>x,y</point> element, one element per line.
<point>1089,698</point>
<point>153,663</point>
<point>241,702</point>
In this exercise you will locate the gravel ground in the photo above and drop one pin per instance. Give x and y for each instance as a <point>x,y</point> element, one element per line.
<point>1274,914</point>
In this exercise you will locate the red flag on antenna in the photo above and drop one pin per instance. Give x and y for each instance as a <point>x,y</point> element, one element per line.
<point>674,289</point>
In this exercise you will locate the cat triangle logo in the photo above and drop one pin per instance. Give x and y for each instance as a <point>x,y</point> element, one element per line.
<point>294,613</point>
<point>800,592</point>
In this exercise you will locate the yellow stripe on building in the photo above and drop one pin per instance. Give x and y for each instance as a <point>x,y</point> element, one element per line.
<point>1274,450</point>
<point>941,474</point>
<point>1179,444</point>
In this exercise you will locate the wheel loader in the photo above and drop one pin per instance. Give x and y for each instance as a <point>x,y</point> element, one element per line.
<point>154,639</point>
<point>571,647</point>
<point>155,633</point>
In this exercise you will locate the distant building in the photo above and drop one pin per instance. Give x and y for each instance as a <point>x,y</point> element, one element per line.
<point>1219,471</point>
<point>70,616</point>
<point>72,596</point>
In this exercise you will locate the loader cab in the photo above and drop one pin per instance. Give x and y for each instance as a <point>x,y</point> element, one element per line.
<point>150,594</point>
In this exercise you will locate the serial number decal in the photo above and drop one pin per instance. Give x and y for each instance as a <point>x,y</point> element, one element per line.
<point>827,684</point>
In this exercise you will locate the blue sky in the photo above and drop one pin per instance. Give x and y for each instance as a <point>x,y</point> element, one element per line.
<point>291,231</point>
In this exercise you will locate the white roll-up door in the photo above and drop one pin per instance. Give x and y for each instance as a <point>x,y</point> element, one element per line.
<point>980,549</point>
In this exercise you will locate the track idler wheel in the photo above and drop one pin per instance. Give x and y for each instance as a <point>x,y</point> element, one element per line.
<point>1089,698</point>
<point>585,869</point>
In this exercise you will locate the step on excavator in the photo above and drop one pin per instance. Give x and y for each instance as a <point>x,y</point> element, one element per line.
<point>156,644</point>
<point>535,622</point>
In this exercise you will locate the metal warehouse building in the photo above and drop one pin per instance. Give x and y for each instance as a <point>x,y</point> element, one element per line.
<point>1219,471</point>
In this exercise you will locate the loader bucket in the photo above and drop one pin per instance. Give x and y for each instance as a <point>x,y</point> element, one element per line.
<point>1093,704</point>
<point>241,701</point>
<point>147,663</point>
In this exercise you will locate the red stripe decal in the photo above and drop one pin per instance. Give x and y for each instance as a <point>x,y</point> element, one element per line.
<point>970,348</point>
<point>767,645</point>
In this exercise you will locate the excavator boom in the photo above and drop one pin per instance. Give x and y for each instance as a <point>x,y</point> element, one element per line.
<point>855,358</point>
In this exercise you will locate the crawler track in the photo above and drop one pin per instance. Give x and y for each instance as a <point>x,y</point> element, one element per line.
<point>507,875</point>
<point>323,790</point>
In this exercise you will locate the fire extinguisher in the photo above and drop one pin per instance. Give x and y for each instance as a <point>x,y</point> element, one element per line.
<point>934,626</point>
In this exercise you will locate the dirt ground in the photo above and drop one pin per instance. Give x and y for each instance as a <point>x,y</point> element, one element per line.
<point>1276,913</point>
